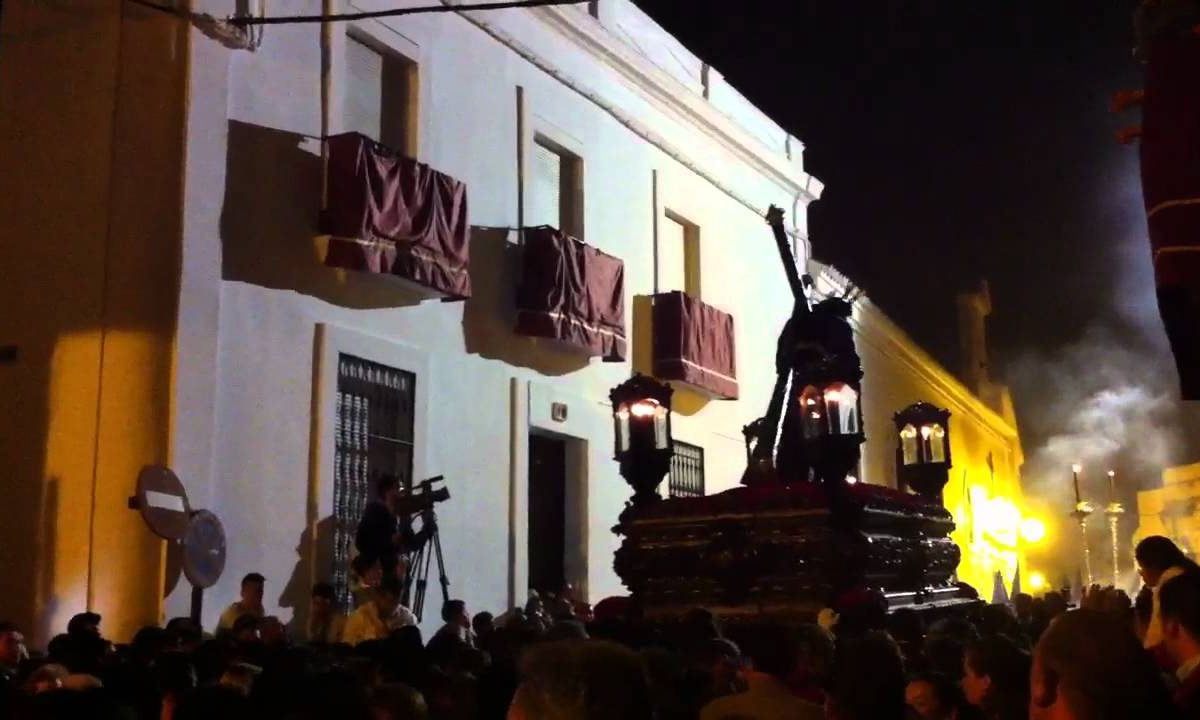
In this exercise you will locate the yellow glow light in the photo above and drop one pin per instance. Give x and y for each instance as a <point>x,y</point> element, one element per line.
<point>1076,468</point>
<point>1033,530</point>
<point>926,431</point>
<point>644,408</point>
<point>1037,581</point>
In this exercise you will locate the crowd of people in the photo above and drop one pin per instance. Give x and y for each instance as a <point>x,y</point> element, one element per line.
<point>1110,658</point>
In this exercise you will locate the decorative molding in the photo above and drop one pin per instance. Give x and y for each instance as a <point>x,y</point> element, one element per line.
<point>673,97</point>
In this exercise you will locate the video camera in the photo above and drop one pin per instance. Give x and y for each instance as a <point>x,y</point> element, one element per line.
<point>422,496</point>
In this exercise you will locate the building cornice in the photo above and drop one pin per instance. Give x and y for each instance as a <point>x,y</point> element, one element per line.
<point>674,98</point>
<point>876,328</point>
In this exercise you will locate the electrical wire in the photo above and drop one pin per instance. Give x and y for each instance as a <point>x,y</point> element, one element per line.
<point>290,19</point>
<point>161,8</point>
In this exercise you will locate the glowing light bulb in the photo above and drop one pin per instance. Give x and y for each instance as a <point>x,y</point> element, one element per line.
<point>1076,468</point>
<point>1037,581</point>
<point>833,396</point>
<point>1033,530</point>
<point>1112,473</point>
<point>644,408</point>
<point>926,431</point>
<point>851,480</point>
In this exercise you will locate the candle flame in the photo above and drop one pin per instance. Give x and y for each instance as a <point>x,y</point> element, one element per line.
<point>1076,468</point>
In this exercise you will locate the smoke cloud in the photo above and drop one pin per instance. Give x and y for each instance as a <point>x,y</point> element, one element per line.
<point>1102,404</point>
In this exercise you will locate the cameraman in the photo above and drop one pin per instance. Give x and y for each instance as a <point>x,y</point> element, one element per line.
<point>385,532</point>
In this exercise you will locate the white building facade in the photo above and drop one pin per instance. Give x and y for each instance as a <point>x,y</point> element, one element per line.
<point>587,117</point>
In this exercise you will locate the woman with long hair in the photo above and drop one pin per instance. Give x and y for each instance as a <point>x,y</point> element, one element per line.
<point>996,678</point>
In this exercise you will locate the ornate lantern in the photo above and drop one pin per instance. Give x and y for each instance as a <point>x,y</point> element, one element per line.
<point>923,449</point>
<point>642,434</point>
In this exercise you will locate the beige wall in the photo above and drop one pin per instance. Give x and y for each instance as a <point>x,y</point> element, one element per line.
<point>91,137</point>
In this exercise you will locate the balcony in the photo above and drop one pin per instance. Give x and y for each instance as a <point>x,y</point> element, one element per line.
<point>571,293</point>
<point>693,345</point>
<point>391,215</point>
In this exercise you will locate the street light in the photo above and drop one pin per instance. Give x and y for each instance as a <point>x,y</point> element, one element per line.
<point>923,449</point>
<point>642,442</point>
<point>1033,531</point>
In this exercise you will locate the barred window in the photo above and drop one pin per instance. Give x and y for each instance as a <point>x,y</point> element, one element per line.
<point>373,431</point>
<point>687,471</point>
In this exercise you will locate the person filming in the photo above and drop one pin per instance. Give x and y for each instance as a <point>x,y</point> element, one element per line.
<point>385,532</point>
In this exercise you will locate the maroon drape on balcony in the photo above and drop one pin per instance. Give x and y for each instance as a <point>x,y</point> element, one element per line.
<point>386,213</point>
<point>571,292</point>
<point>1171,184</point>
<point>693,343</point>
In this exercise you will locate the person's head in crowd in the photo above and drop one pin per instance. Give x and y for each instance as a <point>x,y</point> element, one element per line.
<point>773,651</point>
<point>567,630</point>
<point>272,632</point>
<point>12,647</point>
<point>944,656</point>
<point>324,601</point>
<point>996,677</point>
<point>253,586</point>
<point>1056,604</point>
<point>483,624</point>
<point>1155,555</point>
<point>148,643</point>
<point>454,612</point>
<point>1179,603</point>
<point>1023,606</point>
<point>246,629</point>
<point>387,490</point>
<point>998,619</point>
<point>183,633</point>
<point>396,701</point>
<point>85,623</point>
<point>816,652</point>
<point>582,680</point>
<point>387,597</point>
<point>50,676</point>
<point>1088,666</point>
<point>1143,612</point>
<point>868,680</point>
<point>368,570</point>
<point>933,697</point>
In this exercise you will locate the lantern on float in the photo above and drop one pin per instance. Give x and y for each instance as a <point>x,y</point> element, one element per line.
<point>642,441</point>
<point>923,449</point>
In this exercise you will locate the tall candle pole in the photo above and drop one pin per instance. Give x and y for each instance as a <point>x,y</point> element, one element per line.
<point>1114,512</point>
<point>1081,513</point>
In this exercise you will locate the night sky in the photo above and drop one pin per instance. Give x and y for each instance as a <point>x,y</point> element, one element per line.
<point>962,140</point>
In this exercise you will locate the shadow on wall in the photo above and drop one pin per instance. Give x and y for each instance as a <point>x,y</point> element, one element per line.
<point>46,541</point>
<point>491,312</point>
<point>297,592</point>
<point>269,223</point>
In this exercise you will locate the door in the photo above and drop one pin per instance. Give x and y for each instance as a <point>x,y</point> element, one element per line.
<point>547,513</point>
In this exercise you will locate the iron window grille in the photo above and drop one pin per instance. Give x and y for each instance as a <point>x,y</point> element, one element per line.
<point>687,471</point>
<point>373,431</point>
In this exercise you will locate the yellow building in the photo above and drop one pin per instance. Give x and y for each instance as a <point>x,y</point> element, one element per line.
<point>92,145</point>
<point>984,492</point>
<point>1172,510</point>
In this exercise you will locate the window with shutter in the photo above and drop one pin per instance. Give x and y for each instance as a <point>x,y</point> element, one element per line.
<point>678,255</point>
<point>380,95</point>
<point>373,430</point>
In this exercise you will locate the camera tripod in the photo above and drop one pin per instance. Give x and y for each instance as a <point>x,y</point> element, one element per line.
<point>417,580</point>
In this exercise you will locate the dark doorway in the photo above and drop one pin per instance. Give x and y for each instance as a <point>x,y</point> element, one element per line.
<point>547,513</point>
